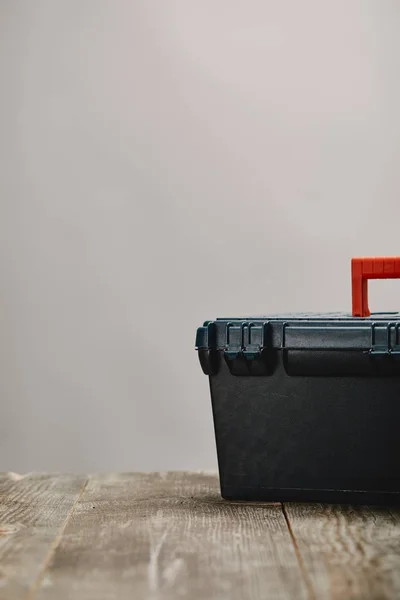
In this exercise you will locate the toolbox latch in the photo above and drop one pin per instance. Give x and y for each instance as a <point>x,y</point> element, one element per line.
<point>385,345</point>
<point>245,350</point>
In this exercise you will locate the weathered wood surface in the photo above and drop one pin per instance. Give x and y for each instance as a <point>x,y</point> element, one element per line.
<point>34,510</point>
<point>154,536</point>
<point>348,552</point>
<point>166,536</point>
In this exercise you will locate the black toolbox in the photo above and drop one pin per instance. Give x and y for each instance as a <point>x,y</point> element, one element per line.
<point>307,406</point>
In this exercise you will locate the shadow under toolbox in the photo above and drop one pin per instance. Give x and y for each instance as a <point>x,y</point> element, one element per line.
<point>307,406</point>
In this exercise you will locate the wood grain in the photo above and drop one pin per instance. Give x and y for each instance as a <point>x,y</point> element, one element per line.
<point>167,536</point>
<point>33,512</point>
<point>146,536</point>
<point>348,552</point>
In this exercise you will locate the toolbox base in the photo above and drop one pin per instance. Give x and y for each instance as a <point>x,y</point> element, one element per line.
<point>321,496</point>
<point>284,438</point>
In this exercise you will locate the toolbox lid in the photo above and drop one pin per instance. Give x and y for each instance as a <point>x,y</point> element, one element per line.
<point>376,334</point>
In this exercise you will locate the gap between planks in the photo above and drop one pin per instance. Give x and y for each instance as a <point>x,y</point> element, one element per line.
<point>302,566</point>
<point>35,587</point>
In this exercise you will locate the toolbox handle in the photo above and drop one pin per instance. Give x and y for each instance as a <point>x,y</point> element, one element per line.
<point>363,269</point>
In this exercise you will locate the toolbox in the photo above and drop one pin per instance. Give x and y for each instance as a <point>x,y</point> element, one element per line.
<point>306,407</point>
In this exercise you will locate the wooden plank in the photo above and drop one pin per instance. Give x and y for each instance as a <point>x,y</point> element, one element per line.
<point>348,552</point>
<point>171,536</point>
<point>33,512</point>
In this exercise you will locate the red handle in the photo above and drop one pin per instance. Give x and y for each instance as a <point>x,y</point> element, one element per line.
<point>363,269</point>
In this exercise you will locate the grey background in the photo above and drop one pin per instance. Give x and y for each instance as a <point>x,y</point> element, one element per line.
<point>163,163</point>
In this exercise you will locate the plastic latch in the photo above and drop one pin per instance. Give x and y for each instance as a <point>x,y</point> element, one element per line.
<point>363,269</point>
<point>386,347</point>
<point>244,348</point>
<point>245,339</point>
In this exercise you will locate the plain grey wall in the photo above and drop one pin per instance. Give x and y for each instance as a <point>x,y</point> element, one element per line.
<point>163,163</point>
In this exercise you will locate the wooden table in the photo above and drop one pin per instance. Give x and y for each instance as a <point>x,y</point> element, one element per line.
<point>170,536</point>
